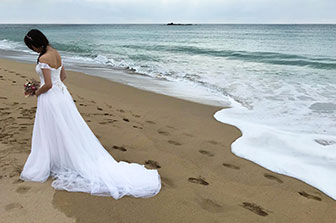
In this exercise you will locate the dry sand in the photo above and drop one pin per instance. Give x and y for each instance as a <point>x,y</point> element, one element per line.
<point>202,181</point>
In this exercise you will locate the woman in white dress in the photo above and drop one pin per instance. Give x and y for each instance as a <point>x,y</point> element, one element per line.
<point>64,147</point>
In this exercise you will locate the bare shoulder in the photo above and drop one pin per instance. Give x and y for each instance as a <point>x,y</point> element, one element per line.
<point>52,58</point>
<point>46,58</point>
<point>56,53</point>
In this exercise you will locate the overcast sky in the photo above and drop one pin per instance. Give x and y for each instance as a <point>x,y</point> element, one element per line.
<point>164,11</point>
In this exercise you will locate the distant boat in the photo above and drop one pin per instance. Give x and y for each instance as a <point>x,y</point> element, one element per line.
<point>177,24</point>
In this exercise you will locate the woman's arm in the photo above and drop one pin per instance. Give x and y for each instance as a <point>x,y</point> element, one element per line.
<point>47,82</point>
<point>63,74</point>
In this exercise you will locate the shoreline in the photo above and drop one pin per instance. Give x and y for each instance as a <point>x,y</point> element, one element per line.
<point>127,76</point>
<point>202,181</point>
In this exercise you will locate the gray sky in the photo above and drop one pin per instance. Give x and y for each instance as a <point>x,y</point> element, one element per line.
<point>164,11</point>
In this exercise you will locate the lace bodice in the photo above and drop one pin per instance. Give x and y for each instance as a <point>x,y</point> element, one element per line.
<point>55,74</point>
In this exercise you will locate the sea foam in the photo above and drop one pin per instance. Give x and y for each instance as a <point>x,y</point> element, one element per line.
<point>310,158</point>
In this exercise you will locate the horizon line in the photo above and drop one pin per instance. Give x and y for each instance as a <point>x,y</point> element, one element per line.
<point>167,23</point>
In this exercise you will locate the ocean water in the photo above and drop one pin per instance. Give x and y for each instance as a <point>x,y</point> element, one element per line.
<point>278,80</point>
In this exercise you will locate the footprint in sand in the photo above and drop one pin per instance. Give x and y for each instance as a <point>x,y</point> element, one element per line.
<point>188,134</point>
<point>161,132</point>
<point>211,206</point>
<point>111,120</point>
<point>212,142</point>
<point>5,113</point>
<point>174,143</point>
<point>153,164</point>
<point>100,109</point>
<point>206,153</point>
<point>171,127</point>
<point>12,206</point>
<point>254,208</point>
<point>150,122</point>
<point>271,177</point>
<point>22,143</point>
<point>22,189</point>
<point>18,181</point>
<point>137,127</point>
<point>231,166</point>
<point>120,110</point>
<point>199,180</point>
<point>2,97</point>
<point>120,148</point>
<point>309,196</point>
<point>125,119</point>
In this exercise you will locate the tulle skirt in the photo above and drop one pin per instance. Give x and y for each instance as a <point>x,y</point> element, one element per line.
<point>64,147</point>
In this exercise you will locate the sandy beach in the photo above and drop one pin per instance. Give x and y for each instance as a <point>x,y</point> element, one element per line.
<point>202,181</point>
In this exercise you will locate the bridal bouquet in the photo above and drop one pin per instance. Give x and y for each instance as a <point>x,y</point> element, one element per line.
<point>30,87</point>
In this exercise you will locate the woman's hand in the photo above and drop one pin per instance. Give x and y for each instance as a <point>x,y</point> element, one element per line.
<point>36,93</point>
<point>43,89</point>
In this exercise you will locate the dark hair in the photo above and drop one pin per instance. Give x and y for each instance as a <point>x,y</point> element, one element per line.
<point>37,39</point>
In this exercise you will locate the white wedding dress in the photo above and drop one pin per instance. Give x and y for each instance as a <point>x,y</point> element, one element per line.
<point>64,147</point>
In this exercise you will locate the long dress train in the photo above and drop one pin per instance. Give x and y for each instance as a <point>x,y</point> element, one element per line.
<point>64,147</point>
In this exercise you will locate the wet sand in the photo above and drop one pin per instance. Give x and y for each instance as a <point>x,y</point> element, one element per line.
<point>202,181</point>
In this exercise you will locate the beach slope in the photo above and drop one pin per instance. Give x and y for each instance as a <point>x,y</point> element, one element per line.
<point>202,181</point>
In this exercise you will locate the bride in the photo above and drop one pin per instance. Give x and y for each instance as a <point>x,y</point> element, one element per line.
<point>64,147</point>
